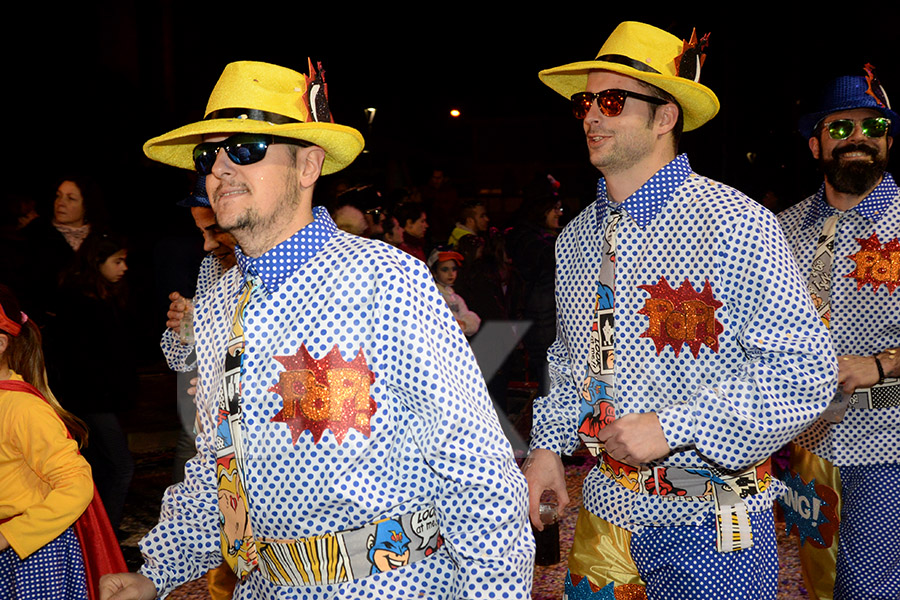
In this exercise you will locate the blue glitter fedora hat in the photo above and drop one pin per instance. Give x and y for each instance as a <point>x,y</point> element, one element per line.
<point>653,56</point>
<point>846,93</point>
<point>257,97</point>
<point>198,197</point>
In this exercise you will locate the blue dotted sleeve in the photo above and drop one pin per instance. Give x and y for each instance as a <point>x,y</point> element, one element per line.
<point>788,372</point>
<point>578,259</point>
<point>185,542</point>
<point>482,500</point>
<point>180,357</point>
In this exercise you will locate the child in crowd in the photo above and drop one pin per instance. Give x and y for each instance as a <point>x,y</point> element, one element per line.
<point>444,265</point>
<point>45,485</point>
<point>91,351</point>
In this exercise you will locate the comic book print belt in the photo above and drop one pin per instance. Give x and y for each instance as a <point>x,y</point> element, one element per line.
<point>883,395</point>
<point>682,483</point>
<point>351,554</point>
<point>879,396</point>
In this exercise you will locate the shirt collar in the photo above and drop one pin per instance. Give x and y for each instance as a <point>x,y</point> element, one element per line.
<point>872,206</point>
<point>275,266</point>
<point>650,198</point>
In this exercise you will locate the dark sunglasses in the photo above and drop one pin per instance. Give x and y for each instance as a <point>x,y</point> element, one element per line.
<point>241,149</point>
<point>873,127</point>
<point>611,102</point>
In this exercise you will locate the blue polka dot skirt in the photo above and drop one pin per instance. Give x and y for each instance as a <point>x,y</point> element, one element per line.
<point>55,572</point>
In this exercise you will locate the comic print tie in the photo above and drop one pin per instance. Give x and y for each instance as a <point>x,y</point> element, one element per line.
<point>598,388</point>
<point>819,285</point>
<point>238,546</point>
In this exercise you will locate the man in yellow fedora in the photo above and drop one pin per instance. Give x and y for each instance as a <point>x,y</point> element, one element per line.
<point>687,349</point>
<point>336,393</point>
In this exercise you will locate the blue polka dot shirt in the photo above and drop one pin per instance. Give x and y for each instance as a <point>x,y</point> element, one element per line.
<point>432,440</point>
<point>714,332</point>
<point>865,311</point>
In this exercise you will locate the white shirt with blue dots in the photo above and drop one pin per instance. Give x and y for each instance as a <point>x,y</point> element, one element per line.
<point>435,438</point>
<point>729,392</point>
<point>865,313</point>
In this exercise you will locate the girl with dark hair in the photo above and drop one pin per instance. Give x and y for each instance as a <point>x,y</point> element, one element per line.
<point>93,369</point>
<point>44,484</point>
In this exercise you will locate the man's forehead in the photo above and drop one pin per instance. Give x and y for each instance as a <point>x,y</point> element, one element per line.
<point>216,137</point>
<point>853,113</point>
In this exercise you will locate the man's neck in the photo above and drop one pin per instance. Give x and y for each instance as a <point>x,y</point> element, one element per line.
<point>255,244</point>
<point>842,201</point>
<point>621,185</point>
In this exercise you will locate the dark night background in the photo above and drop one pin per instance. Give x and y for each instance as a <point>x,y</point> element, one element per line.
<point>87,84</point>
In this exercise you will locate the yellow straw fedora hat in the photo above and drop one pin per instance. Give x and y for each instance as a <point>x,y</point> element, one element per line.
<point>653,56</point>
<point>257,97</point>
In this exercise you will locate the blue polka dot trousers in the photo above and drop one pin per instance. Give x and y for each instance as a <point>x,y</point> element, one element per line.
<point>868,563</point>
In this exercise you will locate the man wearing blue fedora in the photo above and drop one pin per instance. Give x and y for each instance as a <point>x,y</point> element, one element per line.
<point>336,390</point>
<point>687,349</point>
<point>845,240</point>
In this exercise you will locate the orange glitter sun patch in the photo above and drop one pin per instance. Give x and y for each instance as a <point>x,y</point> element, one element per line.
<point>681,316</point>
<point>876,263</point>
<point>327,393</point>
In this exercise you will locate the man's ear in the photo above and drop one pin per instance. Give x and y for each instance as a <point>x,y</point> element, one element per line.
<point>666,117</point>
<point>814,147</point>
<point>309,164</point>
<point>4,342</point>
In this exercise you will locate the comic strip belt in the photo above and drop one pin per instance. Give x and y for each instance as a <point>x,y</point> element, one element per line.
<point>342,556</point>
<point>883,395</point>
<point>680,483</point>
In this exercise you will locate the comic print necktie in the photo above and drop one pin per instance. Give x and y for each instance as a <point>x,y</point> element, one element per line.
<point>238,546</point>
<point>598,387</point>
<point>819,285</point>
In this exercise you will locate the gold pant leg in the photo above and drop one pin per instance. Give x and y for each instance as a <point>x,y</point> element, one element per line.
<point>221,582</point>
<point>602,553</point>
<point>818,564</point>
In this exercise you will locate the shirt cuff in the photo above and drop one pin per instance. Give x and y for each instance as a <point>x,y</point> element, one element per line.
<point>548,438</point>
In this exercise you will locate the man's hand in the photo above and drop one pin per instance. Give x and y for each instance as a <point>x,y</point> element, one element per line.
<point>126,586</point>
<point>544,470</point>
<point>635,439</point>
<point>192,390</point>
<point>177,311</point>
<point>856,372</point>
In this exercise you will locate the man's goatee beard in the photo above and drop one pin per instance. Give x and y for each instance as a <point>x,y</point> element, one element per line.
<point>854,177</point>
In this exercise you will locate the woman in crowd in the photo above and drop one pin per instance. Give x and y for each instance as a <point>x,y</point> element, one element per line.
<point>51,244</point>
<point>92,359</point>
<point>45,485</point>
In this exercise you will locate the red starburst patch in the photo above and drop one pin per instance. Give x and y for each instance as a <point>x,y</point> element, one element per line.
<point>876,263</point>
<point>327,393</point>
<point>681,316</point>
